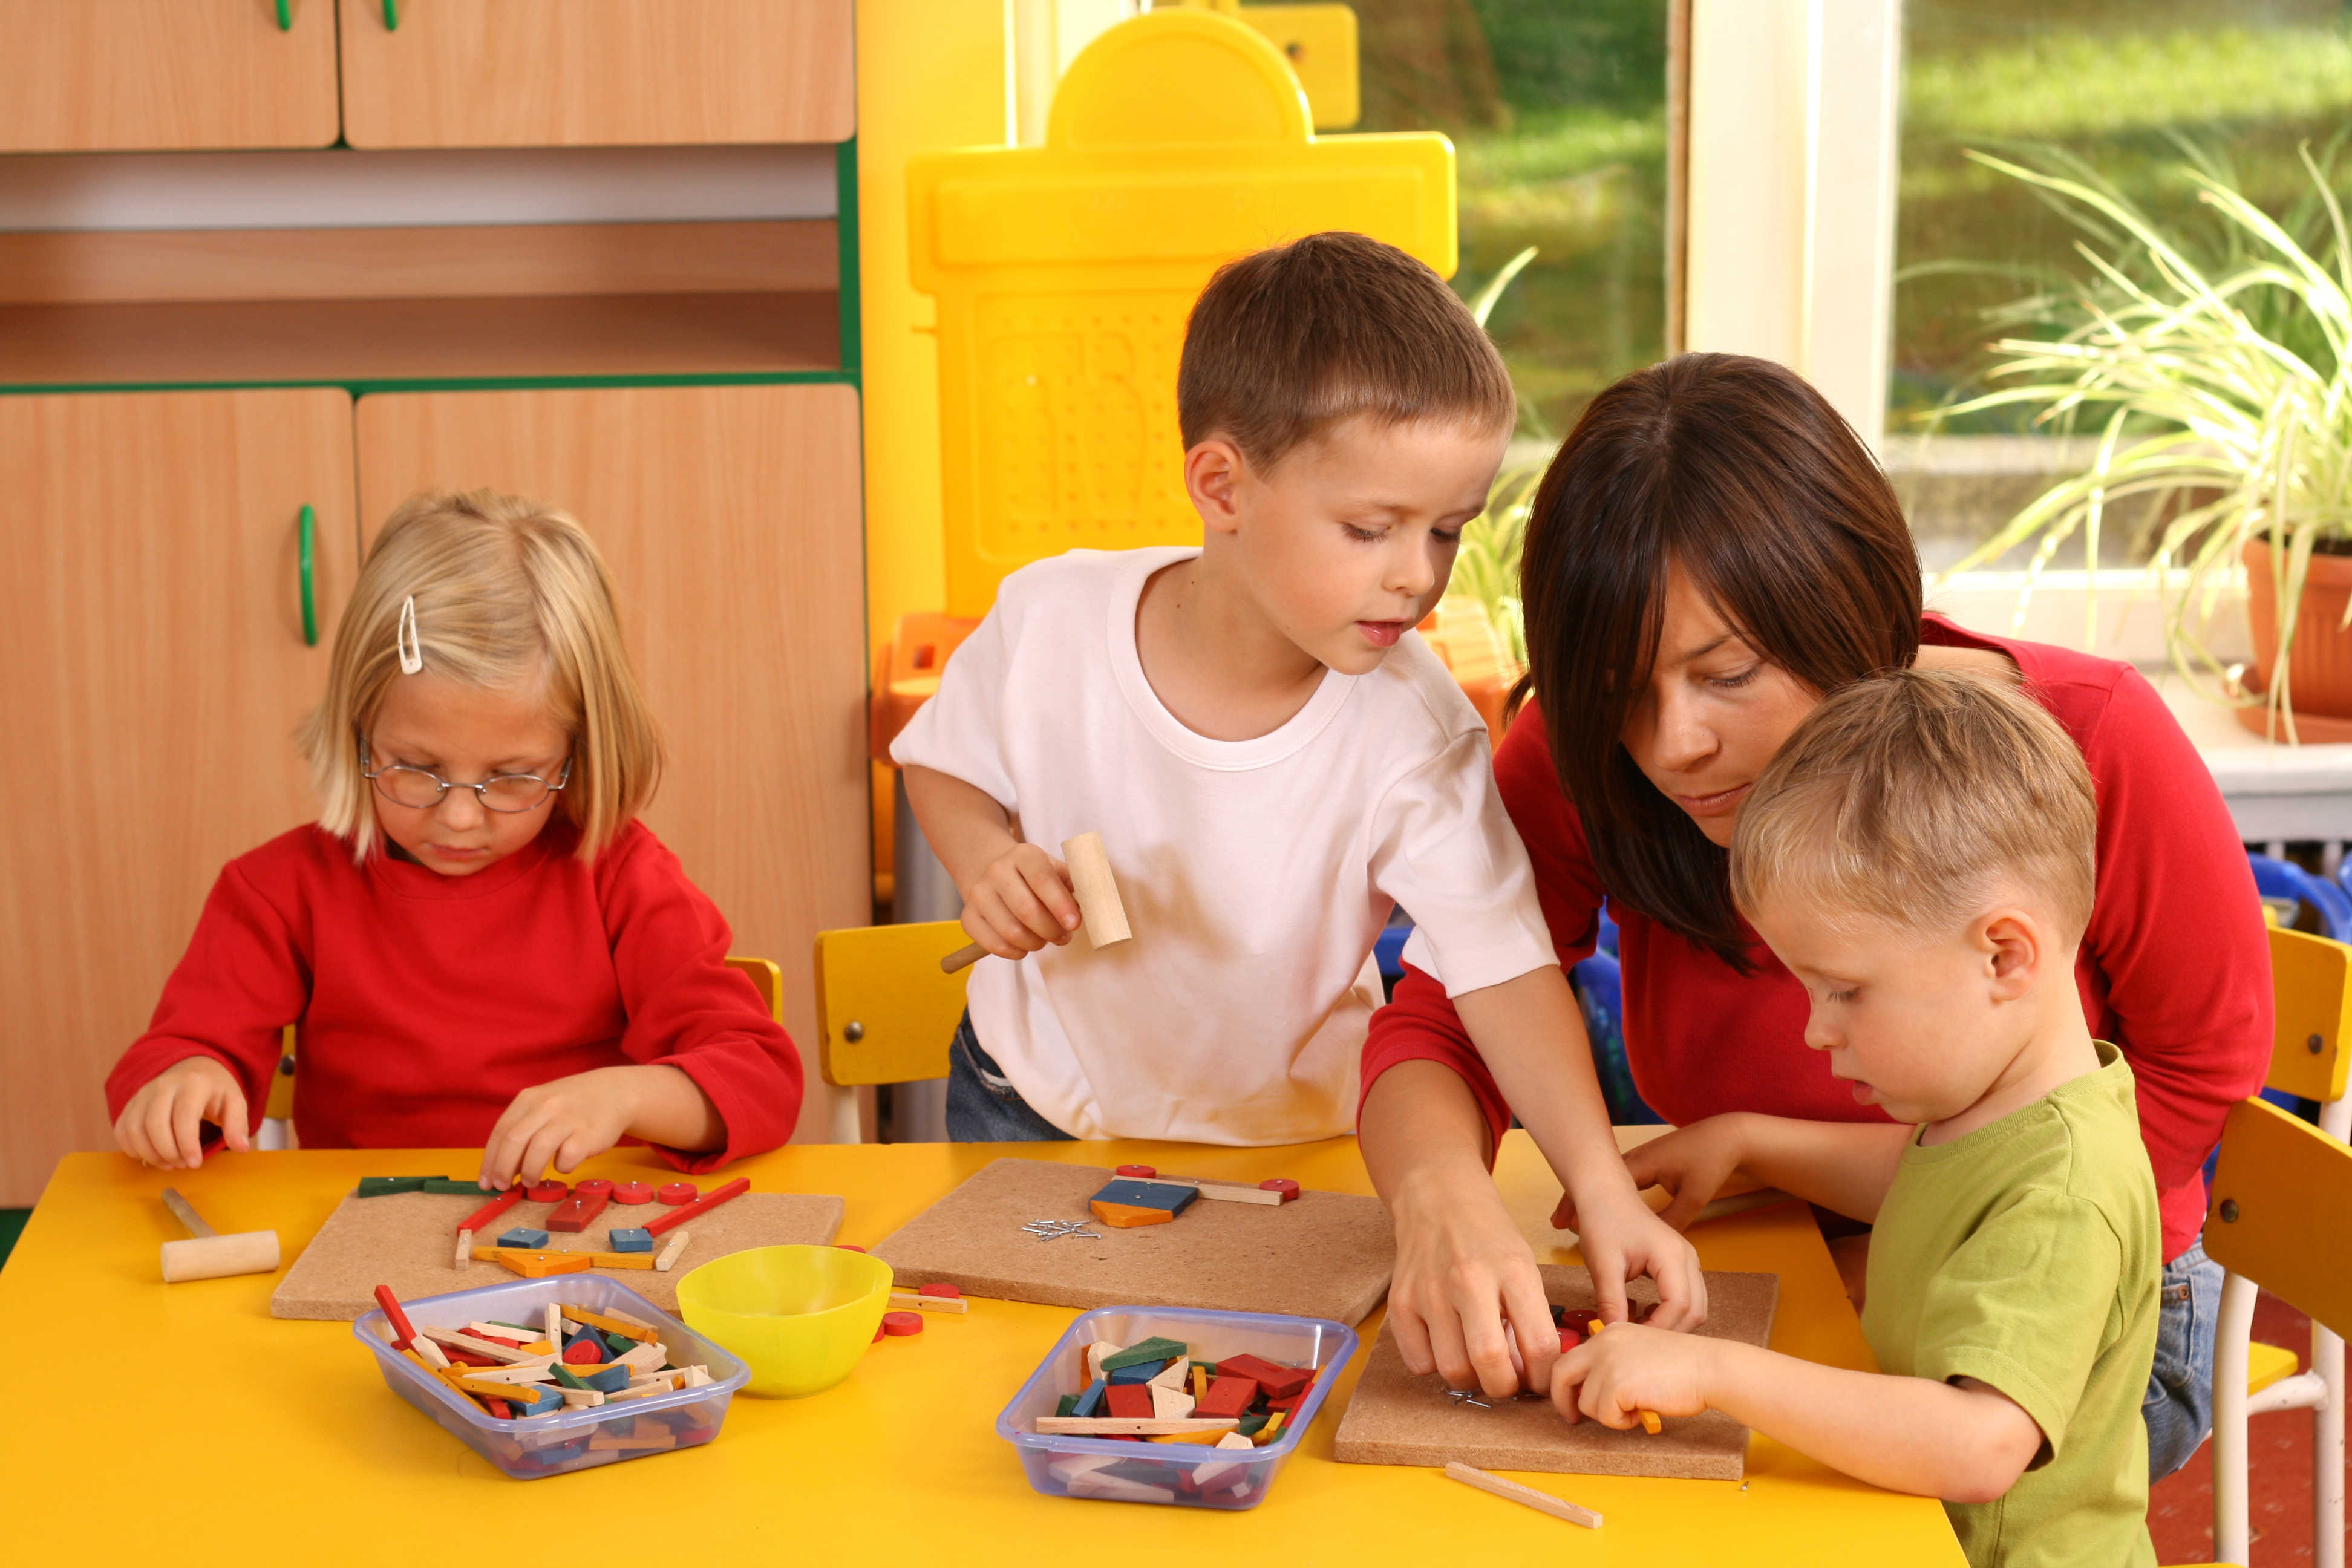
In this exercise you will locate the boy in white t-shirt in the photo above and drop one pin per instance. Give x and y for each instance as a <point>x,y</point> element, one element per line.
<point>1273,758</point>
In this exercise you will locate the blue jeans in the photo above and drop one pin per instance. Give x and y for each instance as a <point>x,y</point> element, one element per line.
<point>2179,1409</point>
<point>984,1108</point>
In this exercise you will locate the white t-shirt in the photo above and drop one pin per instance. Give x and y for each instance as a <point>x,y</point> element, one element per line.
<point>1255,874</point>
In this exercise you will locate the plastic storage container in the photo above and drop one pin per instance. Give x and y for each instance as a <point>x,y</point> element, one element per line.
<point>556,1445</point>
<point>1318,1343</point>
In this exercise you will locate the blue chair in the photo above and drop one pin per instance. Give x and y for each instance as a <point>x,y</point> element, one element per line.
<point>2283,880</point>
<point>1599,988</point>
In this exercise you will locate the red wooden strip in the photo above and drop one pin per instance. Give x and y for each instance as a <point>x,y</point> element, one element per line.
<point>734,1189</point>
<point>481,1219</point>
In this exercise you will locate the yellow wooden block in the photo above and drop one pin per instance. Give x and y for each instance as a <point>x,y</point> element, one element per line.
<point>1271,1430</point>
<point>1200,1382</point>
<point>2281,1212</point>
<point>622,1259</point>
<point>1208,1438</point>
<point>611,1325</point>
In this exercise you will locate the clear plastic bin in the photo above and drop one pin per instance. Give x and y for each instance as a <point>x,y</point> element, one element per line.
<point>1159,1472</point>
<point>556,1445</point>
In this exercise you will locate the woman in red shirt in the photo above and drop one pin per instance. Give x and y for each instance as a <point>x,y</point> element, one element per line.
<point>1712,550</point>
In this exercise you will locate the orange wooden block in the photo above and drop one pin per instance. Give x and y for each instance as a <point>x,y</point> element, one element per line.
<point>535,1265</point>
<point>1127,1217</point>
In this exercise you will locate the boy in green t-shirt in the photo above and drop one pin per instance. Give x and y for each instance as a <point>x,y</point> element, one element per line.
<point>1920,855</point>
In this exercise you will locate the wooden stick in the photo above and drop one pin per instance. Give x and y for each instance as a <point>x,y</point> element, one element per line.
<point>669,1254</point>
<point>929,1303</point>
<point>190,1220</point>
<point>1543,1502</point>
<point>1223,1191</point>
<point>703,1204</point>
<point>497,1352</point>
<point>1097,889</point>
<point>464,1249</point>
<point>480,1219</point>
<point>430,1353</point>
<point>1132,1427</point>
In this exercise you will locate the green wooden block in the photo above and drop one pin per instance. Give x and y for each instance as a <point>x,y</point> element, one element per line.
<point>385,1187</point>
<point>564,1375</point>
<point>449,1187</point>
<point>1154,1349</point>
<point>1068,1403</point>
<point>1252,1424</point>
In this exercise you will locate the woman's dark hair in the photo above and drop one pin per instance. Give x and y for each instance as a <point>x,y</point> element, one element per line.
<point>1740,471</point>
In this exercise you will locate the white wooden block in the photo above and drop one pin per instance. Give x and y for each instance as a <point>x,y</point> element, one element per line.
<point>699,1377</point>
<point>1070,1467</point>
<point>1170,1403</point>
<point>1543,1502</point>
<point>464,1249</point>
<point>644,1358</point>
<point>1173,1375</point>
<point>430,1352</point>
<point>669,1254</point>
<point>1099,1353</point>
<point>1234,1440</point>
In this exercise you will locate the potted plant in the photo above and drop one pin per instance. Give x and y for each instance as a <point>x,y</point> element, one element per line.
<point>2224,392</point>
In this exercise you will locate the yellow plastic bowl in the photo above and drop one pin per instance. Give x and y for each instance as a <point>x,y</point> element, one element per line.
<point>799,1316</point>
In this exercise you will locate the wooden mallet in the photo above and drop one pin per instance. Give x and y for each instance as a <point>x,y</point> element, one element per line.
<point>207,1254</point>
<point>1099,905</point>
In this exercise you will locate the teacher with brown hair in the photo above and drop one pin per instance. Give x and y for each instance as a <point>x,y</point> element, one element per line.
<point>1712,552</point>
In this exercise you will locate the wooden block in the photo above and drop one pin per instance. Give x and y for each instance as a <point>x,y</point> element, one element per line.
<point>1175,1197</point>
<point>1110,1427</point>
<point>1199,1381</point>
<point>503,1354</point>
<point>551,1323</point>
<point>578,1212</point>
<point>1227,1396</point>
<point>645,1357</point>
<point>465,1259</point>
<point>580,1398</point>
<point>620,1259</point>
<point>1109,1487</point>
<point>1394,1418</point>
<point>1272,1430</point>
<point>519,1372</point>
<point>479,1220</point>
<point>1234,1440</point>
<point>1327,1255</point>
<point>698,1376</point>
<point>700,1205</point>
<point>1131,1401</point>
<point>402,1330</point>
<point>1126,1217</point>
<point>910,1300</point>
<point>604,1322</point>
<point>1168,1404</point>
<point>669,1254</point>
<point>524,1236</point>
<point>629,1239</point>
<point>1099,1353</point>
<point>1207,1439</point>
<point>633,1321</point>
<point>1543,1502</point>
<point>1090,1398</point>
<point>1278,1382</point>
<point>1172,1375</point>
<point>1229,1191</point>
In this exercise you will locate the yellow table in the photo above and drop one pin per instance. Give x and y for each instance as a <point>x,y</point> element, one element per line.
<point>182,1423</point>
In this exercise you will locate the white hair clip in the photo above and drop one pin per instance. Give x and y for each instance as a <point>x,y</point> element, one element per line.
<point>412,652</point>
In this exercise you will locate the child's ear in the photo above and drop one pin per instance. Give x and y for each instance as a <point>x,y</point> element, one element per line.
<point>2013,949</point>
<point>1213,472</point>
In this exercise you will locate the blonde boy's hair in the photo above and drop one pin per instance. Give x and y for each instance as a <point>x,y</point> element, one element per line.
<point>508,593</point>
<point>1910,797</point>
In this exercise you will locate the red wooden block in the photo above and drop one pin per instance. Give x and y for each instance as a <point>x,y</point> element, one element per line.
<point>464,1357</point>
<point>593,1184</point>
<point>1226,1395</point>
<point>402,1330</point>
<point>902,1322</point>
<point>511,1343</point>
<point>579,1211</point>
<point>677,1193</point>
<point>940,1288</point>
<point>1283,1184</point>
<point>479,1220</point>
<point>1279,1382</point>
<point>498,1408</point>
<point>548,1193</point>
<point>1569,1340</point>
<point>583,1353</point>
<point>633,1193</point>
<point>1141,1173</point>
<point>1128,1400</point>
<point>711,1200</point>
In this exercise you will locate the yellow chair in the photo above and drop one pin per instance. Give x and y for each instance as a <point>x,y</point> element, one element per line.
<point>277,1119</point>
<point>2281,1222</point>
<point>885,1013</point>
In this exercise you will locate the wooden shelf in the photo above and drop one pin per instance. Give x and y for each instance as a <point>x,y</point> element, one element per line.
<point>602,335</point>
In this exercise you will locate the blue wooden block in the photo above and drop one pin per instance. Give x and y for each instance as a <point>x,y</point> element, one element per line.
<point>1147,1196</point>
<point>536,1401</point>
<point>629,1239</point>
<point>1091,1400</point>
<point>612,1379</point>
<point>523,1235</point>
<point>1143,1371</point>
<point>592,1337</point>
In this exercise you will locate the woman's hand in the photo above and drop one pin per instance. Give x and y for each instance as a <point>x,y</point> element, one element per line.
<point>1691,1162</point>
<point>1620,1238</point>
<point>1465,1300</point>
<point>1021,903</point>
<point>1615,1376</point>
<point>163,1124</point>
<point>572,1120</point>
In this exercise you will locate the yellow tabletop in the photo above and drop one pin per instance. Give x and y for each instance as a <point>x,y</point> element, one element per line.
<point>182,1423</point>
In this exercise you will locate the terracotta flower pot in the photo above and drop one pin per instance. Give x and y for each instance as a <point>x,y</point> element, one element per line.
<point>2319,666</point>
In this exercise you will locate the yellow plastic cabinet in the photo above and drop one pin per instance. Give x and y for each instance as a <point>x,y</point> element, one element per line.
<point>1178,140</point>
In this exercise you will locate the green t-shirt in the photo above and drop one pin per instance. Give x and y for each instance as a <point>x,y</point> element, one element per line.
<point>2026,1256</point>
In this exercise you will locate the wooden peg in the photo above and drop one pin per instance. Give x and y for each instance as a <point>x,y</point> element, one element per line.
<point>669,1254</point>
<point>1543,1502</point>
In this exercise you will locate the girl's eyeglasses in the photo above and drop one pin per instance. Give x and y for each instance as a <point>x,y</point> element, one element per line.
<point>422,790</point>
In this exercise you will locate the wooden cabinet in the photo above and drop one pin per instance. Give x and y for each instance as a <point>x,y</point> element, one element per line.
<point>152,668</point>
<point>85,74</point>
<point>574,73</point>
<point>729,517</point>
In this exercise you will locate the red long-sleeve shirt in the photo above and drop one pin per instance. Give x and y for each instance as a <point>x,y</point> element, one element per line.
<point>2175,968</point>
<point>426,1002</point>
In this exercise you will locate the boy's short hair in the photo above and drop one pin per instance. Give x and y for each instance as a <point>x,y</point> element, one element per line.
<point>1909,796</point>
<point>507,592</point>
<point>1286,342</point>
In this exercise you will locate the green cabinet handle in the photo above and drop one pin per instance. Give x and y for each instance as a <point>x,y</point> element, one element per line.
<point>309,600</point>
<point>285,15</point>
<point>391,15</point>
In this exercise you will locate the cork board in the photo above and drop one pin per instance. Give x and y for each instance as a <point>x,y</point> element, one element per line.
<point>1397,1418</point>
<point>1324,1254</point>
<point>409,1241</point>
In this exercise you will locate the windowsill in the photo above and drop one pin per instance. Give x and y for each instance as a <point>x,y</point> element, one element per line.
<point>2130,624</point>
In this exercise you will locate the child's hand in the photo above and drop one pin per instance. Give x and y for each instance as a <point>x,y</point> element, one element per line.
<point>1022,902</point>
<point>163,1124</point>
<point>1623,1238</point>
<point>560,1123</point>
<point>1615,1376</point>
<point>1691,1162</point>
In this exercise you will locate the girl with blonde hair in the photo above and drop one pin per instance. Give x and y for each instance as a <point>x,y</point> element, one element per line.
<point>478,941</point>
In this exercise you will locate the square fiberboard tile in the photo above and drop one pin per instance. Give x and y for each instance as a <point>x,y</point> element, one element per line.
<point>1398,1419</point>
<point>409,1241</point>
<point>1325,1254</point>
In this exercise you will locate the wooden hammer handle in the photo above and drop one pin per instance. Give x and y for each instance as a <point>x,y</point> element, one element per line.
<point>185,1213</point>
<point>964,957</point>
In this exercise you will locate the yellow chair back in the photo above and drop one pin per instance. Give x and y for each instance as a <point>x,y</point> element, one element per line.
<point>2310,988</point>
<point>767,979</point>
<point>2282,1213</point>
<point>885,1012</point>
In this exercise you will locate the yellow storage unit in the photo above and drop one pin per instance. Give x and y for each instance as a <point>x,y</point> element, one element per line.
<point>1178,140</point>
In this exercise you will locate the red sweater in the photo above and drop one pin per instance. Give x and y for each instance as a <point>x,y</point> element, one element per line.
<point>2175,967</point>
<point>426,1002</point>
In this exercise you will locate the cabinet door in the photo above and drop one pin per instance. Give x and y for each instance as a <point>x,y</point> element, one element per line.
<point>152,671</point>
<point>731,520</point>
<point>571,73</point>
<point>127,74</point>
